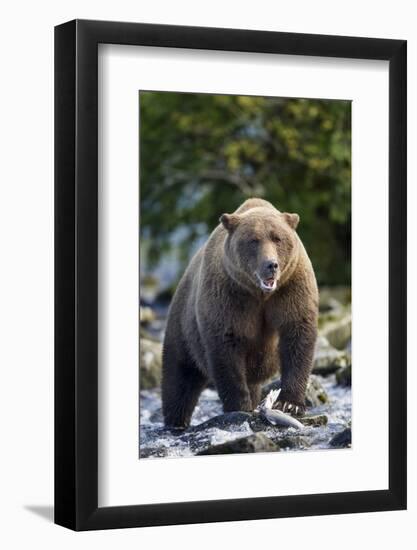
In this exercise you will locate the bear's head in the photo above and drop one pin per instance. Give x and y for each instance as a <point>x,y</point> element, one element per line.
<point>261,243</point>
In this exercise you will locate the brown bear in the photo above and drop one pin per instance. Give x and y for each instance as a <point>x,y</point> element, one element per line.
<point>246,305</point>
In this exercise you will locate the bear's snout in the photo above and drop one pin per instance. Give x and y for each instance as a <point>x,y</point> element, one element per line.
<point>267,274</point>
<point>270,266</point>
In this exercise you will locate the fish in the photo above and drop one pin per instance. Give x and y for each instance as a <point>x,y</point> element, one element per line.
<point>279,418</point>
<point>269,401</point>
<point>275,416</point>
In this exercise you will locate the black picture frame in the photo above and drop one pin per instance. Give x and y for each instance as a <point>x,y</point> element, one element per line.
<point>76,272</point>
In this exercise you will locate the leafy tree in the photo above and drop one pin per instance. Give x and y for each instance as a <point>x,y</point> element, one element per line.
<point>202,155</point>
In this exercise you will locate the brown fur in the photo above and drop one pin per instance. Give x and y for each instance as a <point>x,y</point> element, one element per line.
<point>223,328</point>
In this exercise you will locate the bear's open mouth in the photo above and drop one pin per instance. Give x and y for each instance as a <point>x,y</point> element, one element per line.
<point>267,285</point>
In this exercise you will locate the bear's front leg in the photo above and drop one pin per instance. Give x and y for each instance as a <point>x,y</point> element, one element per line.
<point>228,370</point>
<point>297,343</point>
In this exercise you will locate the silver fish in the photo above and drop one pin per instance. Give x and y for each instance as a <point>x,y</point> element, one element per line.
<point>275,416</point>
<point>279,418</point>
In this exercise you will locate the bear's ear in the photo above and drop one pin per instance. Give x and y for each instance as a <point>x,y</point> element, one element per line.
<point>292,219</point>
<point>229,221</point>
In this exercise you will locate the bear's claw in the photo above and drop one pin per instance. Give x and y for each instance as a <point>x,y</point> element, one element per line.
<point>291,408</point>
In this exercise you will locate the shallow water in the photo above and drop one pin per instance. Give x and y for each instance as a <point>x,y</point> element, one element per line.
<point>156,441</point>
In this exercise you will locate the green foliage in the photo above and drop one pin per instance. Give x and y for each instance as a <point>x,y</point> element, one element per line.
<point>202,155</point>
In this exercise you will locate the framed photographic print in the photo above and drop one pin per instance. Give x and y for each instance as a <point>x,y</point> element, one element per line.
<point>230,252</point>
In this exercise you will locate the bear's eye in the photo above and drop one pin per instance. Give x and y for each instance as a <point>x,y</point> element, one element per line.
<point>254,242</point>
<point>275,238</point>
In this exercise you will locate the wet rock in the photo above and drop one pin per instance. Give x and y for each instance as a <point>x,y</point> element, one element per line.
<point>329,304</point>
<point>328,359</point>
<point>337,329</point>
<point>157,417</point>
<point>148,452</point>
<point>332,297</point>
<point>235,421</point>
<point>227,422</point>
<point>344,376</point>
<point>150,364</point>
<point>155,440</point>
<point>315,395</point>
<point>258,423</point>
<point>292,442</point>
<point>256,443</point>
<point>314,420</point>
<point>342,439</point>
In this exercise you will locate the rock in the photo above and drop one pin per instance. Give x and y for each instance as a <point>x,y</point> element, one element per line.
<point>227,422</point>
<point>258,423</point>
<point>328,359</point>
<point>337,329</point>
<point>157,417</point>
<point>233,421</point>
<point>342,439</point>
<point>147,315</point>
<point>315,395</point>
<point>332,298</point>
<point>256,443</point>
<point>292,442</point>
<point>148,452</point>
<point>150,363</point>
<point>335,318</point>
<point>329,304</point>
<point>314,420</point>
<point>344,376</point>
